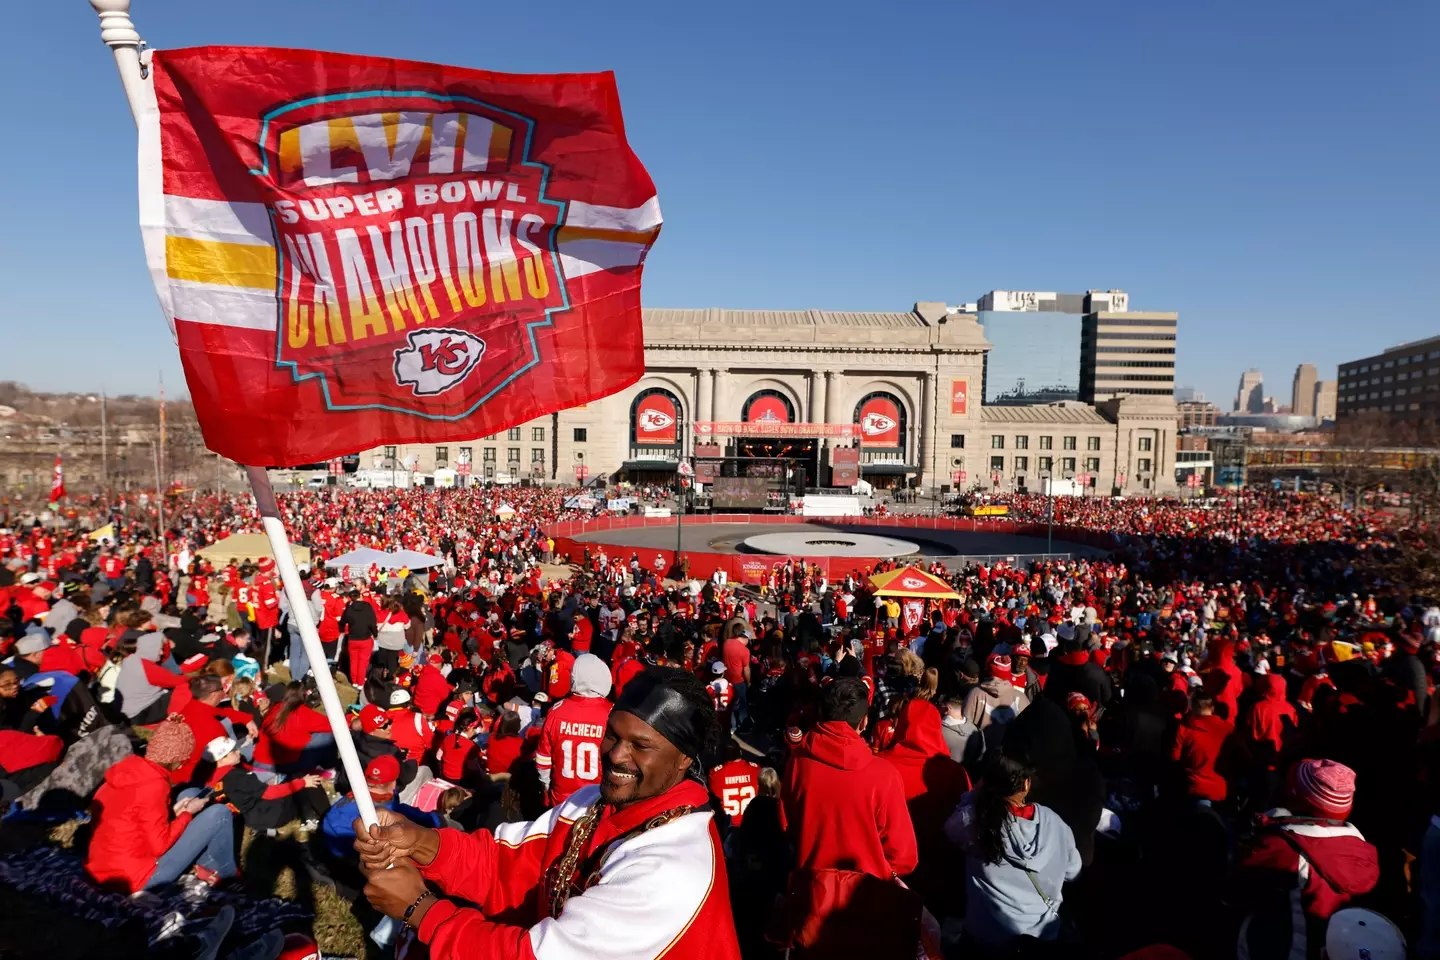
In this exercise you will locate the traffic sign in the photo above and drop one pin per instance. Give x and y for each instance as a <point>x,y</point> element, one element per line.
<point>1121,479</point>
<point>463,468</point>
<point>685,469</point>
<point>1193,480</point>
<point>581,471</point>
<point>958,476</point>
<point>962,476</point>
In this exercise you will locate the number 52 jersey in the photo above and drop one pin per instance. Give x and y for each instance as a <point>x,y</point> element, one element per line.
<point>568,755</point>
<point>735,783</point>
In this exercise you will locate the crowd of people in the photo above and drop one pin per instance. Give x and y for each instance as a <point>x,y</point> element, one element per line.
<point>1218,740</point>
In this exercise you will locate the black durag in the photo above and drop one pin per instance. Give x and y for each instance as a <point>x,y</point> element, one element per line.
<point>684,723</point>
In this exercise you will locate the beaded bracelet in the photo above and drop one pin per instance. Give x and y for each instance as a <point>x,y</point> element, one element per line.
<point>410,910</point>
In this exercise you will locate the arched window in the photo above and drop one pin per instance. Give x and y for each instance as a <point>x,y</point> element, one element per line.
<point>882,420</point>
<point>768,405</point>
<point>656,420</point>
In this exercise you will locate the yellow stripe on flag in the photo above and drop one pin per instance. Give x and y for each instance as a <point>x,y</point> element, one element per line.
<point>232,264</point>
<point>571,234</point>
<point>499,146</point>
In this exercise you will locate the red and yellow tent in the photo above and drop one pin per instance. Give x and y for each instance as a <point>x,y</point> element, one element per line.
<point>911,582</point>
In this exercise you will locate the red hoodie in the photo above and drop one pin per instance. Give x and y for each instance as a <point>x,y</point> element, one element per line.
<point>132,824</point>
<point>1198,743</point>
<point>1265,727</point>
<point>846,807</point>
<point>431,690</point>
<point>1224,682</point>
<point>933,784</point>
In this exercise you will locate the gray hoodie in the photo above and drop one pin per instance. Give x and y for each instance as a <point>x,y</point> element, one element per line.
<point>1002,902</point>
<point>135,691</point>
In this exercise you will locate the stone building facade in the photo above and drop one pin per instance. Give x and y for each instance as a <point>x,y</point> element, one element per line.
<point>900,390</point>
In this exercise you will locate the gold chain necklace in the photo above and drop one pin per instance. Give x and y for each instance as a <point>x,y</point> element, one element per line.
<point>560,878</point>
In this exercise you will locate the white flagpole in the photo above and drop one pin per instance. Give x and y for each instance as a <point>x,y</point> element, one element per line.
<point>305,620</point>
<point>120,35</point>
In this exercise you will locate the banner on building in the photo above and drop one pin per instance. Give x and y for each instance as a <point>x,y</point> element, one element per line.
<point>880,423</point>
<point>959,397</point>
<point>656,421</point>
<point>356,250</point>
<point>774,428</point>
<point>767,408</point>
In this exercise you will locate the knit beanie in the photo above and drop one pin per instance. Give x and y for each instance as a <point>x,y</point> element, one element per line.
<point>590,677</point>
<point>1324,787</point>
<point>172,741</point>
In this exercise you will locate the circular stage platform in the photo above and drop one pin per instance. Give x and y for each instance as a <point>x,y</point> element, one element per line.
<point>827,543</point>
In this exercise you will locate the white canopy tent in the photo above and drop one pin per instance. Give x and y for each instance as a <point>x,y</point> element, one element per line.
<point>362,559</point>
<point>416,560</point>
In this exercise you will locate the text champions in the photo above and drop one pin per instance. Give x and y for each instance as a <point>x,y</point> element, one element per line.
<point>364,256</point>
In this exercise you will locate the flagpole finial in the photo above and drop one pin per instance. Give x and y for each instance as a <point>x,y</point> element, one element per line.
<point>115,26</point>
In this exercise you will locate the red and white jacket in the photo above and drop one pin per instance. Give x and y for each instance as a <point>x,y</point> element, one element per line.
<point>660,893</point>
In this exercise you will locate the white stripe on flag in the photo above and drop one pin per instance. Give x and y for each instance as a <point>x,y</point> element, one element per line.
<point>579,257</point>
<point>223,305</point>
<point>245,223</point>
<point>622,219</point>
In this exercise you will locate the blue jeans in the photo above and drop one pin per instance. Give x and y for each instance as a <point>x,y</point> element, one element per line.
<point>739,703</point>
<point>319,753</point>
<point>299,659</point>
<point>208,840</point>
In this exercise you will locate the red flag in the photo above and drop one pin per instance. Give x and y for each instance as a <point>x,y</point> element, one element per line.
<point>57,482</point>
<point>355,251</point>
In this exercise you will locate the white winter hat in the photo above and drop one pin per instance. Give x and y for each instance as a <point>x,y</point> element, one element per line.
<point>589,677</point>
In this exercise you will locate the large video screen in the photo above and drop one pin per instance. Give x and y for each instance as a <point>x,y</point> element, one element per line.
<point>740,493</point>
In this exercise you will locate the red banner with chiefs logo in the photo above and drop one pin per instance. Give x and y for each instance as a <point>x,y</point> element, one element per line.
<point>959,397</point>
<point>880,423</point>
<point>656,421</point>
<point>767,409</point>
<point>356,250</point>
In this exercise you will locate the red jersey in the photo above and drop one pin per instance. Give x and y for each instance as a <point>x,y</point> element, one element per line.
<point>735,784</point>
<point>112,567</point>
<point>267,604</point>
<point>570,744</point>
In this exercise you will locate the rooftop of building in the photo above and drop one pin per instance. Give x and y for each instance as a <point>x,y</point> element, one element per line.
<point>783,318</point>
<point>1066,411</point>
<point>928,324</point>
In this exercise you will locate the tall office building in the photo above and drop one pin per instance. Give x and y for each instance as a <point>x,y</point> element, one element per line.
<point>1127,353</point>
<point>1403,381</point>
<point>1302,391</point>
<point>1325,400</point>
<point>1250,398</point>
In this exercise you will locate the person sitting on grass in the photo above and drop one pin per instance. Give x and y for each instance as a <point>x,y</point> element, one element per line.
<point>261,807</point>
<point>142,841</point>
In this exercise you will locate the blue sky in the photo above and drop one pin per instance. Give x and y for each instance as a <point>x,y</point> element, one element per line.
<point>1267,170</point>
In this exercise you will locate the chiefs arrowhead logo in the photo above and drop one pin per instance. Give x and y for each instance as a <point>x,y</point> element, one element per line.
<point>913,583</point>
<point>437,359</point>
<point>654,421</point>
<point>875,424</point>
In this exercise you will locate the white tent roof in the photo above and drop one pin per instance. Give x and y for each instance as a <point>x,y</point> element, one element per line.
<point>504,508</point>
<point>415,560</point>
<point>363,558</point>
